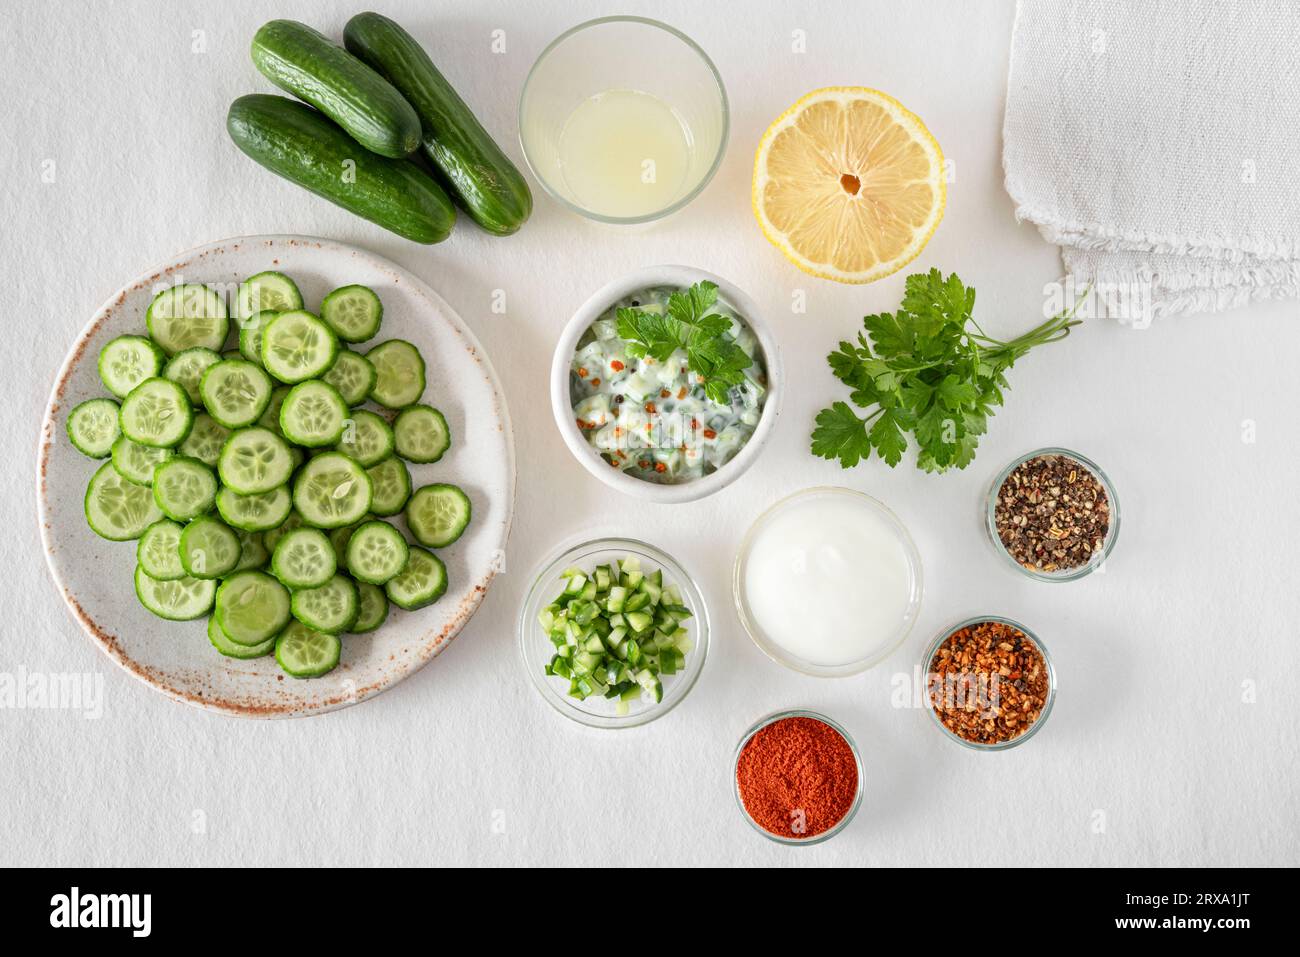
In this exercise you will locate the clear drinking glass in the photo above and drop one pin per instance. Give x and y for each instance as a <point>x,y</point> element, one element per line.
<point>623,119</point>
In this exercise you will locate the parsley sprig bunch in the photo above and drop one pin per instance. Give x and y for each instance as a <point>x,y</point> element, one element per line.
<point>687,324</point>
<point>928,369</point>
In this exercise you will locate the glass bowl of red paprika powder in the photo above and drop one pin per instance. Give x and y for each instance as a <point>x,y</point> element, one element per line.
<point>798,777</point>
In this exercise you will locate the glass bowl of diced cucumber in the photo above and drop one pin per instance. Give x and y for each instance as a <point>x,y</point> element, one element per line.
<point>613,632</point>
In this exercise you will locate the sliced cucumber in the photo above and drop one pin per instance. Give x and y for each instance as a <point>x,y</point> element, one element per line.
<point>339,538</point>
<point>137,462</point>
<point>271,417</point>
<point>367,437</point>
<point>399,373</point>
<point>420,583</point>
<point>331,607</point>
<point>253,555</point>
<point>178,600</point>
<point>117,508</point>
<point>267,290</point>
<point>205,441</point>
<point>437,514</point>
<point>313,414</point>
<point>250,334</point>
<point>231,650</point>
<point>186,369</point>
<point>421,434</point>
<point>372,608</point>
<point>156,413</point>
<point>331,490</point>
<point>304,558</point>
<point>251,608</point>
<point>186,316</point>
<point>304,653</point>
<point>235,392</point>
<point>391,482</point>
<point>209,548</point>
<point>93,427</point>
<point>259,512</point>
<point>353,312</point>
<point>353,375</point>
<point>184,488</point>
<point>376,553</point>
<point>272,537</point>
<point>254,460</point>
<point>297,346</point>
<point>158,551</point>
<point>127,361</point>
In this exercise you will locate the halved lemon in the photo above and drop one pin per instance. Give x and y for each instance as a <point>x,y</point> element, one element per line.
<point>848,184</point>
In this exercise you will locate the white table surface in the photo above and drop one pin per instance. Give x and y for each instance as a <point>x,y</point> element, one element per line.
<point>1174,738</point>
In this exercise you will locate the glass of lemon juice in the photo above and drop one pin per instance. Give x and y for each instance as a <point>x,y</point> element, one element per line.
<point>623,119</point>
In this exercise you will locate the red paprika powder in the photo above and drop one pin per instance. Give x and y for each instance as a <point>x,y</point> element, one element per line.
<point>797,777</point>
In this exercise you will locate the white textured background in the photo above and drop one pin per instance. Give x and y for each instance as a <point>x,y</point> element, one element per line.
<point>1150,736</point>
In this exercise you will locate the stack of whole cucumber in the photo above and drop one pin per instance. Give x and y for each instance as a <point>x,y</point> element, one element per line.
<point>372,107</point>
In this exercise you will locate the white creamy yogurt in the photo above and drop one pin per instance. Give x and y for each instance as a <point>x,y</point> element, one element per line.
<point>827,578</point>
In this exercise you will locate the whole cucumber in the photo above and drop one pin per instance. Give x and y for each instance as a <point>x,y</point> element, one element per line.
<point>481,178</point>
<point>301,145</point>
<point>305,63</point>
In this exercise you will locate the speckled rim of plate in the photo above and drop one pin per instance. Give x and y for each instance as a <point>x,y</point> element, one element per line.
<point>415,653</point>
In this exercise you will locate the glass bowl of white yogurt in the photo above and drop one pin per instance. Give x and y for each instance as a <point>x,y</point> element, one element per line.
<point>828,582</point>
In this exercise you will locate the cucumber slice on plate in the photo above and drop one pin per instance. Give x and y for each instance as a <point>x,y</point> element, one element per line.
<point>339,538</point>
<point>376,553</point>
<point>251,607</point>
<point>209,548</point>
<point>421,434</point>
<point>157,413</point>
<point>353,312</point>
<point>368,438</point>
<point>179,600</point>
<point>235,392</point>
<point>253,555</point>
<point>331,491</point>
<point>353,375</point>
<point>254,460</point>
<point>117,508</point>
<point>420,583</point>
<point>391,482</point>
<point>298,346</point>
<point>313,414</point>
<point>231,650</point>
<point>399,373</point>
<point>304,558</point>
<point>372,608</point>
<point>93,427</point>
<point>437,514</point>
<point>184,488</point>
<point>267,290</point>
<point>158,551</point>
<point>186,369</point>
<point>205,441</point>
<point>137,462</point>
<point>250,334</point>
<point>186,316</point>
<point>304,653</point>
<point>331,607</point>
<point>127,361</point>
<point>258,512</point>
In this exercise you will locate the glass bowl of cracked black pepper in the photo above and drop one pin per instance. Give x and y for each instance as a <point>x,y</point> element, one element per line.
<point>990,684</point>
<point>1053,515</point>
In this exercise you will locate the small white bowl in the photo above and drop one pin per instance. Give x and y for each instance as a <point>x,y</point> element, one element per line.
<point>591,310</point>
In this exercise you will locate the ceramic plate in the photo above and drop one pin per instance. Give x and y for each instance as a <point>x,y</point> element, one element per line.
<point>95,576</point>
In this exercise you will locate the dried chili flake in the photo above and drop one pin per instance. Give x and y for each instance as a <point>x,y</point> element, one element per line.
<point>988,682</point>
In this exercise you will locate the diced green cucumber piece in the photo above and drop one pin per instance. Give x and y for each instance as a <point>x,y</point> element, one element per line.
<point>268,290</point>
<point>332,490</point>
<point>225,646</point>
<point>421,434</point>
<point>367,437</point>
<point>353,375</point>
<point>206,438</point>
<point>186,316</point>
<point>372,608</point>
<point>331,607</point>
<point>376,553</point>
<point>303,558</point>
<point>117,508</point>
<point>438,514</point>
<point>156,413</point>
<point>313,414</point>
<point>158,551</point>
<point>420,583</point>
<point>353,312</point>
<point>186,369</point>
<point>297,346</point>
<point>399,373</point>
<point>254,513</point>
<point>250,335</point>
<point>235,392</point>
<point>127,361</point>
<point>251,608</point>
<point>392,486</point>
<point>184,488</point>
<point>180,599</point>
<point>304,653</point>
<point>254,460</point>
<point>209,548</point>
<point>93,427</point>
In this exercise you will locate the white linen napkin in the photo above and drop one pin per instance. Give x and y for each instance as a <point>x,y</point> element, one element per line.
<point>1157,142</point>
